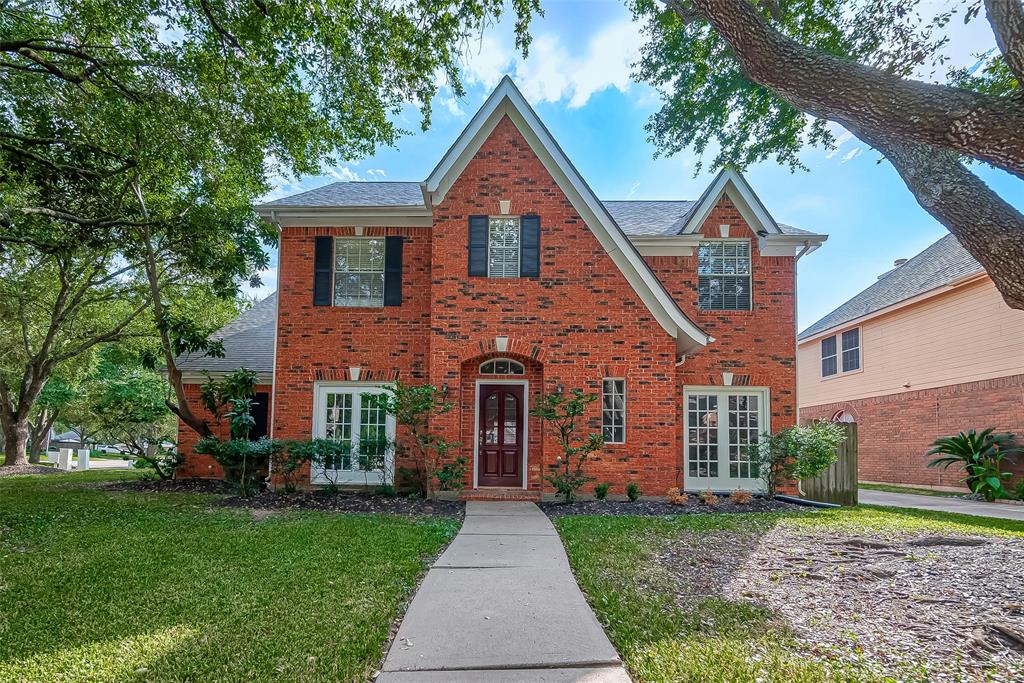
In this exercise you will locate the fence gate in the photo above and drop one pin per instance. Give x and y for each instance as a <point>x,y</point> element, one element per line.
<point>837,484</point>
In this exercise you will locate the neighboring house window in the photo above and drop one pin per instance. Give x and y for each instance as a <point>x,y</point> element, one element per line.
<point>358,271</point>
<point>840,353</point>
<point>503,247</point>
<point>851,350</point>
<point>353,416</point>
<point>613,410</point>
<point>502,366</point>
<point>828,356</point>
<point>723,275</point>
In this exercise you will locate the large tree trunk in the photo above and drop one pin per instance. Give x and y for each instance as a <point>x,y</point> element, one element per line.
<point>921,128</point>
<point>16,442</point>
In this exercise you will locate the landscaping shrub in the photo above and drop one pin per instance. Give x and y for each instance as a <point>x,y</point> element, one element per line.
<point>709,498</point>
<point>326,457</point>
<point>162,462</point>
<point>981,456</point>
<point>288,463</point>
<point>562,413</point>
<point>741,497</point>
<point>677,497</point>
<point>601,490</point>
<point>451,475</point>
<point>800,452</point>
<point>244,462</point>
<point>633,491</point>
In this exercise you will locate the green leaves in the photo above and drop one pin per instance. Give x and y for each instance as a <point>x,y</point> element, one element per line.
<point>980,454</point>
<point>562,412</point>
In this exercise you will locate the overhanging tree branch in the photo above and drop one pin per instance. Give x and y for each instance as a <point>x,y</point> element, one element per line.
<point>1007,20</point>
<point>985,127</point>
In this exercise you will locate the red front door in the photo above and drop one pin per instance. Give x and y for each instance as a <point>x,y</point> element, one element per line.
<point>500,441</point>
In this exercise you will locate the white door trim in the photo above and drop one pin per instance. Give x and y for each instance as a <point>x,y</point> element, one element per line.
<point>526,424</point>
<point>320,391</point>
<point>765,415</point>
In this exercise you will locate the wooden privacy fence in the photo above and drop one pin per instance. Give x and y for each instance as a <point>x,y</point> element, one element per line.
<point>837,484</point>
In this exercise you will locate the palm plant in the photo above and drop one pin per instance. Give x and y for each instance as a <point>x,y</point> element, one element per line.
<point>980,454</point>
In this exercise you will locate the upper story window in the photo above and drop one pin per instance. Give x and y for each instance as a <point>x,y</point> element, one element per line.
<point>840,353</point>
<point>502,366</point>
<point>723,275</point>
<point>613,410</point>
<point>358,271</point>
<point>503,247</point>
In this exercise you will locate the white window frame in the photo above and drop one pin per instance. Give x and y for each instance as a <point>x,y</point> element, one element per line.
<point>334,269</point>
<point>519,246</point>
<point>512,363</point>
<point>624,411</point>
<point>357,389</point>
<point>723,482</point>
<point>749,274</point>
<point>838,336</point>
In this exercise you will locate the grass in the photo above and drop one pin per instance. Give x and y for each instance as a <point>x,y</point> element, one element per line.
<point>893,488</point>
<point>719,640</point>
<point>116,586</point>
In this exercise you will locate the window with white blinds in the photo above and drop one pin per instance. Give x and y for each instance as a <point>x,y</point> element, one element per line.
<point>358,271</point>
<point>723,275</point>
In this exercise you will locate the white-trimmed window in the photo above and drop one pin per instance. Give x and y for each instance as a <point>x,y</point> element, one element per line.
<point>840,353</point>
<point>502,366</point>
<point>348,413</point>
<point>613,410</point>
<point>359,271</point>
<point>723,275</point>
<point>503,239</point>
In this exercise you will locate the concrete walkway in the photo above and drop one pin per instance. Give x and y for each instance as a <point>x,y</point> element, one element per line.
<point>942,504</point>
<point>501,605</point>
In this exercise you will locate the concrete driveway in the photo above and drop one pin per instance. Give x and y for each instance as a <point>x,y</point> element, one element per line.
<point>501,605</point>
<point>942,504</point>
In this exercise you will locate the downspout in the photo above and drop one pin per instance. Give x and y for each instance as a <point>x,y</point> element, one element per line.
<point>796,349</point>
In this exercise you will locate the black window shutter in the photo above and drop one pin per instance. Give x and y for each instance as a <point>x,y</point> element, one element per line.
<point>393,270</point>
<point>323,258</point>
<point>529,246</point>
<point>478,245</point>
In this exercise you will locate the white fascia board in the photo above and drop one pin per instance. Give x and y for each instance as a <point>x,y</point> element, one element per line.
<point>366,216</point>
<point>733,184</point>
<point>506,100</point>
<point>672,245</point>
<point>789,245</point>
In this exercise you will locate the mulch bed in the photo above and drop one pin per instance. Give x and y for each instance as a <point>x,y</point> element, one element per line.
<point>22,470</point>
<point>266,503</point>
<point>951,605</point>
<point>658,508</point>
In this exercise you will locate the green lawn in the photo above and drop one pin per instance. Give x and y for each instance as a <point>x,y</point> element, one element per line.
<point>715,639</point>
<point>107,586</point>
<point>893,488</point>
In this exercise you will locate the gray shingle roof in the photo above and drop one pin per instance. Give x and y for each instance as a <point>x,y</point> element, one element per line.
<point>650,217</point>
<point>361,193</point>
<point>248,341</point>
<point>943,262</point>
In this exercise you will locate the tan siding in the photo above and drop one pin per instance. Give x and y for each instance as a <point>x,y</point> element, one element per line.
<point>964,335</point>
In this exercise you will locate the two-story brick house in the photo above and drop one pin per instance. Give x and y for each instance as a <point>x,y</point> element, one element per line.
<point>501,277</point>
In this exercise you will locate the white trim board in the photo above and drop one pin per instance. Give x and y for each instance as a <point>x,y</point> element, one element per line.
<point>351,477</point>
<point>506,100</point>
<point>723,482</point>
<point>526,425</point>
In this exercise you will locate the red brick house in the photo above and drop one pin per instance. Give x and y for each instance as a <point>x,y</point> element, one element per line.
<point>501,277</point>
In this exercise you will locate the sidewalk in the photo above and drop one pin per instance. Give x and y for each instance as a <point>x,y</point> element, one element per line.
<point>942,504</point>
<point>501,605</point>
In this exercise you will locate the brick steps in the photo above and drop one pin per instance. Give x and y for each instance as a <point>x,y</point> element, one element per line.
<point>507,494</point>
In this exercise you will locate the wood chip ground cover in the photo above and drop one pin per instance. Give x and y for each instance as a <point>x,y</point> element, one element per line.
<point>869,594</point>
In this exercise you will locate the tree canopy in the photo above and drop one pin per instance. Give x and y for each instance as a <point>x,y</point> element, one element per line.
<point>760,79</point>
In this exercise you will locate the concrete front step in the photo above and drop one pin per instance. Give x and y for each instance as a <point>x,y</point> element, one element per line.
<point>501,494</point>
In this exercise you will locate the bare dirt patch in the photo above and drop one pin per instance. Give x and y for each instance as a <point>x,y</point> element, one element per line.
<point>22,470</point>
<point>950,605</point>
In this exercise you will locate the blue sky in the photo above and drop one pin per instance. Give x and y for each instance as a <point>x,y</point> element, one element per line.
<point>578,77</point>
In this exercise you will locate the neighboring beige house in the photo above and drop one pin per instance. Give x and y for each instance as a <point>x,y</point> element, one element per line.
<point>928,350</point>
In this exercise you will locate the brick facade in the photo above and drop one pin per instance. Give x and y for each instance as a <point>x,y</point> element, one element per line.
<point>577,323</point>
<point>897,430</point>
<point>202,466</point>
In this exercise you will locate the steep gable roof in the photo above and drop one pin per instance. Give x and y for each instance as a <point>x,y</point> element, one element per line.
<point>507,101</point>
<point>731,183</point>
<point>942,263</point>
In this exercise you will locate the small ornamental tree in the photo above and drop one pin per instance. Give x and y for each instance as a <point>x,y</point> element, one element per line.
<point>563,414</point>
<point>800,452</point>
<point>413,407</point>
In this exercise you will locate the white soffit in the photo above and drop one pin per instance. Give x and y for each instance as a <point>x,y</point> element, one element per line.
<point>506,100</point>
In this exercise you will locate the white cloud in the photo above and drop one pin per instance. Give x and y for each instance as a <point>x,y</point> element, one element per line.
<point>376,173</point>
<point>841,139</point>
<point>852,154</point>
<point>452,105</point>
<point>632,189</point>
<point>552,72</point>
<point>343,173</point>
